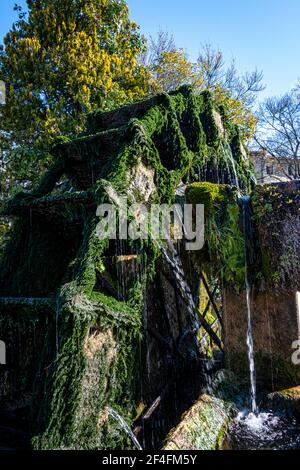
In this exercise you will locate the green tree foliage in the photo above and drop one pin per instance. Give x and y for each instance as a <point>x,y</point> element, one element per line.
<point>172,70</point>
<point>170,67</point>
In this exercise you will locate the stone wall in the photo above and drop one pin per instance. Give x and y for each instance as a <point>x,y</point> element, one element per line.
<point>275,278</point>
<point>275,328</point>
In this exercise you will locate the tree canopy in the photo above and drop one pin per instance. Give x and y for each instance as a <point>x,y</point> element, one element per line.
<point>64,59</point>
<point>170,67</point>
<point>61,60</point>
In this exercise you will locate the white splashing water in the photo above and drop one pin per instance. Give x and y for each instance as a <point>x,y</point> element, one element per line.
<point>266,430</point>
<point>257,423</point>
<point>245,202</point>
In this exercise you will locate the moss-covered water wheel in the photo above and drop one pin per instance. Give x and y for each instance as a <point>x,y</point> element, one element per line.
<point>95,342</point>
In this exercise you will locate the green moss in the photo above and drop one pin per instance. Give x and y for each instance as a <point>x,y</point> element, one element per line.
<point>203,427</point>
<point>276,208</point>
<point>177,136</point>
<point>224,239</point>
<point>75,405</point>
<point>287,401</point>
<point>208,194</point>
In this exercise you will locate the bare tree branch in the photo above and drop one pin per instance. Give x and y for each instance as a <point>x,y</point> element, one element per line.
<point>163,42</point>
<point>212,66</point>
<point>279,130</point>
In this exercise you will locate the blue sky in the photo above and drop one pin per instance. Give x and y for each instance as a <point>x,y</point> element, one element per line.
<point>257,33</point>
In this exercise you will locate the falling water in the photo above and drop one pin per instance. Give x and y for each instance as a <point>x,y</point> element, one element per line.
<point>259,429</point>
<point>228,173</point>
<point>234,171</point>
<point>185,290</point>
<point>124,426</point>
<point>228,152</point>
<point>251,354</point>
<point>245,201</point>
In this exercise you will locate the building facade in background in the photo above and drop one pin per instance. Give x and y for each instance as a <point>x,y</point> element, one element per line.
<point>270,169</point>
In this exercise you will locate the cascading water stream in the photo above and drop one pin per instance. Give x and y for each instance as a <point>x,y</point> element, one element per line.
<point>254,407</point>
<point>264,428</point>
<point>245,204</point>
<point>229,156</point>
<point>175,263</point>
<point>234,171</point>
